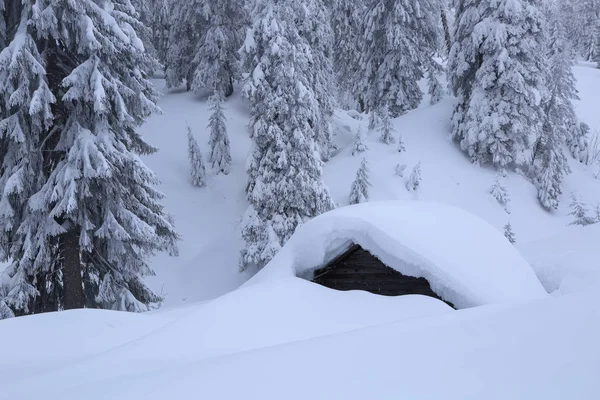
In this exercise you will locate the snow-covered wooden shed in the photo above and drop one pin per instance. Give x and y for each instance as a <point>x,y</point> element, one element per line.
<point>465,261</point>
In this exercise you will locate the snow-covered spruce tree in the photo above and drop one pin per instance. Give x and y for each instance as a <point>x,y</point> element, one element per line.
<point>220,154</point>
<point>197,169</point>
<point>314,25</point>
<point>509,234</point>
<point>374,119</point>
<point>499,192</point>
<point>386,127</point>
<point>588,19</point>
<point>560,121</point>
<point>284,168</point>
<point>359,192</point>
<point>186,27</point>
<point>216,55</point>
<point>25,119</point>
<point>496,70</point>
<point>203,43</point>
<point>346,17</point>
<point>414,181</point>
<point>96,217</point>
<point>398,40</point>
<point>140,15</point>
<point>161,25</point>
<point>360,142</point>
<point>436,90</point>
<point>579,212</point>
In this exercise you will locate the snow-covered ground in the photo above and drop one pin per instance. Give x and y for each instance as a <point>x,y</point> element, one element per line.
<point>280,336</point>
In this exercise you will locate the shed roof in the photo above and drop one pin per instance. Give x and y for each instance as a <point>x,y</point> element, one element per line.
<point>466,260</point>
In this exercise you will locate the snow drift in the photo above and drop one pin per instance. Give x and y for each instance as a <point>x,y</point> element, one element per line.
<point>466,260</point>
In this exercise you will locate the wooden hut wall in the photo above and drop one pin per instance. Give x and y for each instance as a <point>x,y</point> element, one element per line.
<point>357,269</point>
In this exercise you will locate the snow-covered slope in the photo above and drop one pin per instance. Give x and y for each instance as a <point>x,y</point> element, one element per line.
<point>293,339</point>
<point>209,218</point>
<point>421,239</point>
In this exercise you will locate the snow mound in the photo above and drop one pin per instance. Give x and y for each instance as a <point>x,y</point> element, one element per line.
<point>466,260</point>
<point>566,262</point>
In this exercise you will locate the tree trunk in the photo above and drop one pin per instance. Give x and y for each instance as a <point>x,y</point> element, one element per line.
<point>71,270</point>
<point>447,36</point>
<point>229,87</point>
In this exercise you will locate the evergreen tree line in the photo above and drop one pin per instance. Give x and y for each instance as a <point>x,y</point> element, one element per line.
<point>79,212</point>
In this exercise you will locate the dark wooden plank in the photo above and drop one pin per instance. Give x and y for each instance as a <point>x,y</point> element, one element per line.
<point>357,269</point>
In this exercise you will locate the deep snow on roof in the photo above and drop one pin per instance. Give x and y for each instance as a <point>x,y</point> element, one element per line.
<point>466,260</point>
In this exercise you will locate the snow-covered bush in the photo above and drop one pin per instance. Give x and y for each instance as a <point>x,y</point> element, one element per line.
<point>579,212</point>
<point>400,168</point>
<point>509,234</point>
<point>414,181</point>
<point>197,169</point>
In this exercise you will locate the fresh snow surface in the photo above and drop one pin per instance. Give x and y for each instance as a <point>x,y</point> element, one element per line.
<point>416,238</point>
<point>567,262</point>
<point>293,339</point>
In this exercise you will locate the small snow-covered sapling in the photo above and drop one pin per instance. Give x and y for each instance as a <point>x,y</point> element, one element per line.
<point>499,192</point>
<point>579,212</point>
<point>359,192</point>
<point>197,169</point>
<point>509,234</point>
<point>360,145</point>
<point>414,181</point>
<point>400,168</point>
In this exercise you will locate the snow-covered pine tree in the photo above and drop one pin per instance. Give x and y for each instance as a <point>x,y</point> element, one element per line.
<point>25,119</point>
<point>346,16</point>
<point>499,192</point>
<point>386,127</point>
<point>186,27</point>
<point>285,186</point>
<point>216,57</point>
<point>203,43</point>
<point>496,70</point>
<point>444,6</point>
<point>5,311</point>
<point>96,216</point>
<point>549,163</point>
<point>220,154</point>
<point>509,234</point>
<point>398,40</point>
<point>197,169</point>
<point>4,15</point>
<point>140,14</point>
<point>314,25</point>
<point>588,19</point>
<point>360,141</point>
<point>373,120</point>
<point>414,181</point>
<point>359,192</point>
<point>436,90</point>
<point>579,212</point>
<point>161,25</point>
